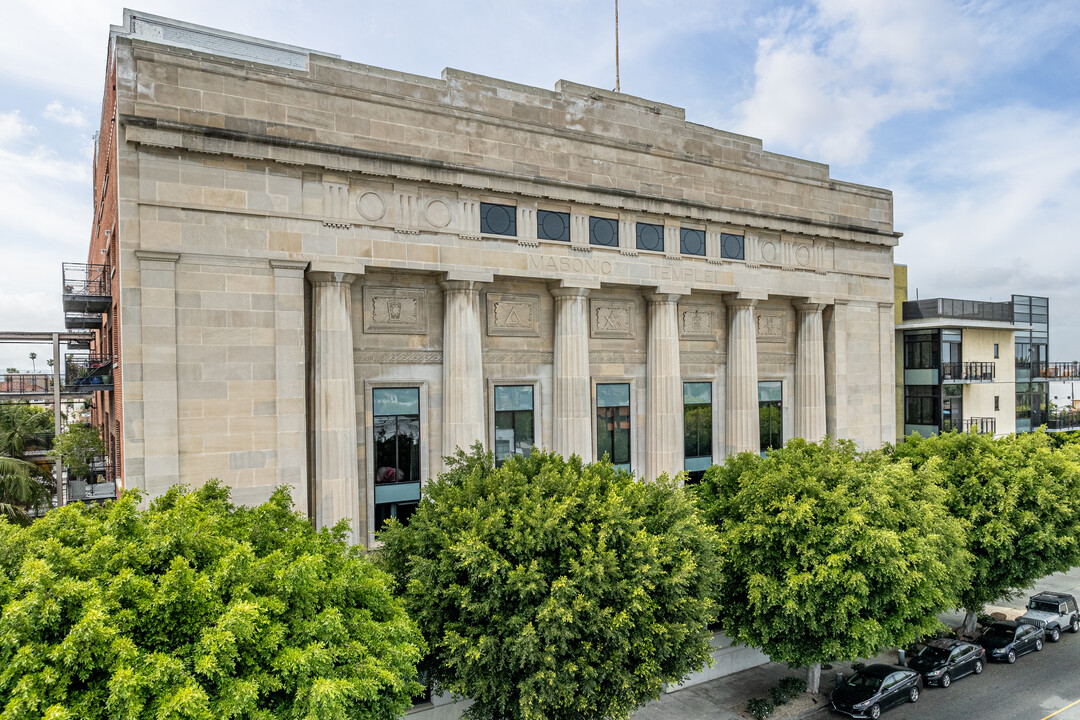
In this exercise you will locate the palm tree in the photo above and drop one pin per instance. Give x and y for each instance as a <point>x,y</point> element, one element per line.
<point>19,427</point>
<point>33,359</point>
<point>20,490</point>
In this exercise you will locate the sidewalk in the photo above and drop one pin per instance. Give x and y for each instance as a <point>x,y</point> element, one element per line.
<point>715,699</point>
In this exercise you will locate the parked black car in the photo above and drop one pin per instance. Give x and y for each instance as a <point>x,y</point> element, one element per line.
<point>875,688</point>
<point>942,661</point>
<point>1007,640</point>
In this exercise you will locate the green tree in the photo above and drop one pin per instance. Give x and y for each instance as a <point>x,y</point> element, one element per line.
<point>1019,500</point>
<point>77,446</point>
<point>829,554</point>
<point>20,427</point>
<point>33,359</point>
<point>21,489</point>
<point>552,590</point>
<point>199,610</point>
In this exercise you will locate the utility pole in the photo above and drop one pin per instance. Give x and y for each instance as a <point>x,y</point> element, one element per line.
<point>617,46</point>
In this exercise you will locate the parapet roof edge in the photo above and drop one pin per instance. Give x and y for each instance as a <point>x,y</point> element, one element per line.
<point>129,29</point>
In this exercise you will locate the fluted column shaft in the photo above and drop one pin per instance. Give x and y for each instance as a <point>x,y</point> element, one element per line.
<point>743,429</point>
<point>463,373</point>
<point>337,478</point>
<point>810,373</point>
<point>572,397</point>
<point>664,444</point>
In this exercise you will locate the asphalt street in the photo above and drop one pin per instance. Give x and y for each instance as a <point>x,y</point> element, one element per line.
<point>1040,686</point>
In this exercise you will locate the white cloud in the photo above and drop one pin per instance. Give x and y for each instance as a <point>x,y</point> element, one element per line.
<point>826,77</point>
<point>997,216</point>
<point>63,115</point>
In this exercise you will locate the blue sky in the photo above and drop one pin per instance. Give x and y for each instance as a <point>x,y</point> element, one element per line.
<point>969,111</point>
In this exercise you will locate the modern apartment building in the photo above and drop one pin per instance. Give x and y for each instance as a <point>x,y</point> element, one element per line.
<point>965,364</point>
<point>320,273</point>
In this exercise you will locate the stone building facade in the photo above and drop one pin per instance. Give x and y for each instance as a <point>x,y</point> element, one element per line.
<point>324,264</point>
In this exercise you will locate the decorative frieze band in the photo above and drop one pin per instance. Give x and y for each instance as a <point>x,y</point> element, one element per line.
<point>703,358</point>
<point>519,358</point>
<point>776,358</point>
<point>600,357</point>
<point>398,357</point>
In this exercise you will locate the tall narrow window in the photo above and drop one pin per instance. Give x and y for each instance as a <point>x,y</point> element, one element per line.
<point>397,452</point>
<point>613,423</point>
<point>770,415</point>
<point>697,428</point>
<point>996,351</point>
<point>513,421</point>
<point>498,219</point>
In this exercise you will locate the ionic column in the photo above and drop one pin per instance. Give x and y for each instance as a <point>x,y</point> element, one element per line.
<point>743,429</point>
<point>337,478</point>
<point>572,397</point>
<point>663,394</point>
<point>463,374</point>
<point>810,373</point>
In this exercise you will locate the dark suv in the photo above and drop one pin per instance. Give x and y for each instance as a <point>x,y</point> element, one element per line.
<point>1053,612</point>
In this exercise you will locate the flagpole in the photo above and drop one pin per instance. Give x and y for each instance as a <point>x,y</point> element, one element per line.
<point>617,46</point>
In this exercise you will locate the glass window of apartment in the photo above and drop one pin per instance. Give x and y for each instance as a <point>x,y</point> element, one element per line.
<point>997,403</point>
<point>603,231</point>
<point>731,246</point>
<point>952,408</point>
<point>650,237</point>
<point>553,225</point>
<point>691,241</point>
<point>771,415</point>
<point>514,425</point>
<point>498,219</point>
<point>995,351</point>
<point>922,350</point>
<point>397,452</point>
<point>922,405</point>
<point>951,361</point>
<point>697,428</point>
<point>613,423</point>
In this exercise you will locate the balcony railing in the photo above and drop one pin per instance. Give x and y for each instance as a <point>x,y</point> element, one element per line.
<point>958,309</point>
<point>1059,371</point>
<point>86,288</point>
<point>82,321</point>
<point>85,372</point>
<point>968,371</point>
<point>982,425</point>
<point>1067,420</point>
<point>26,384</point>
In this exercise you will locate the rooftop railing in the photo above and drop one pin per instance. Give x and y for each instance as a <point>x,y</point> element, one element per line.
<point>958,309</point>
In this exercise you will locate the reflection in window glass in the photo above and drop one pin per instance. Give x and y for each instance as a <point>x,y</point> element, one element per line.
<point>613,423</point>
<point>697,428</point>
<point>770,415</point>
<point>513,421</point>
<point>396,430</point>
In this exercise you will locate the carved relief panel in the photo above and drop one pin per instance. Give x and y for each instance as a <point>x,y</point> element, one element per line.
<point>698,322</point>
<point>771,326</point>
<point>401,311</point>
<point>612,318</point>
<point>515,315</point>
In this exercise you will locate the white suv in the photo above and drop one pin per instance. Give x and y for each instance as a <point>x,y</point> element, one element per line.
<point>1054,612</point>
